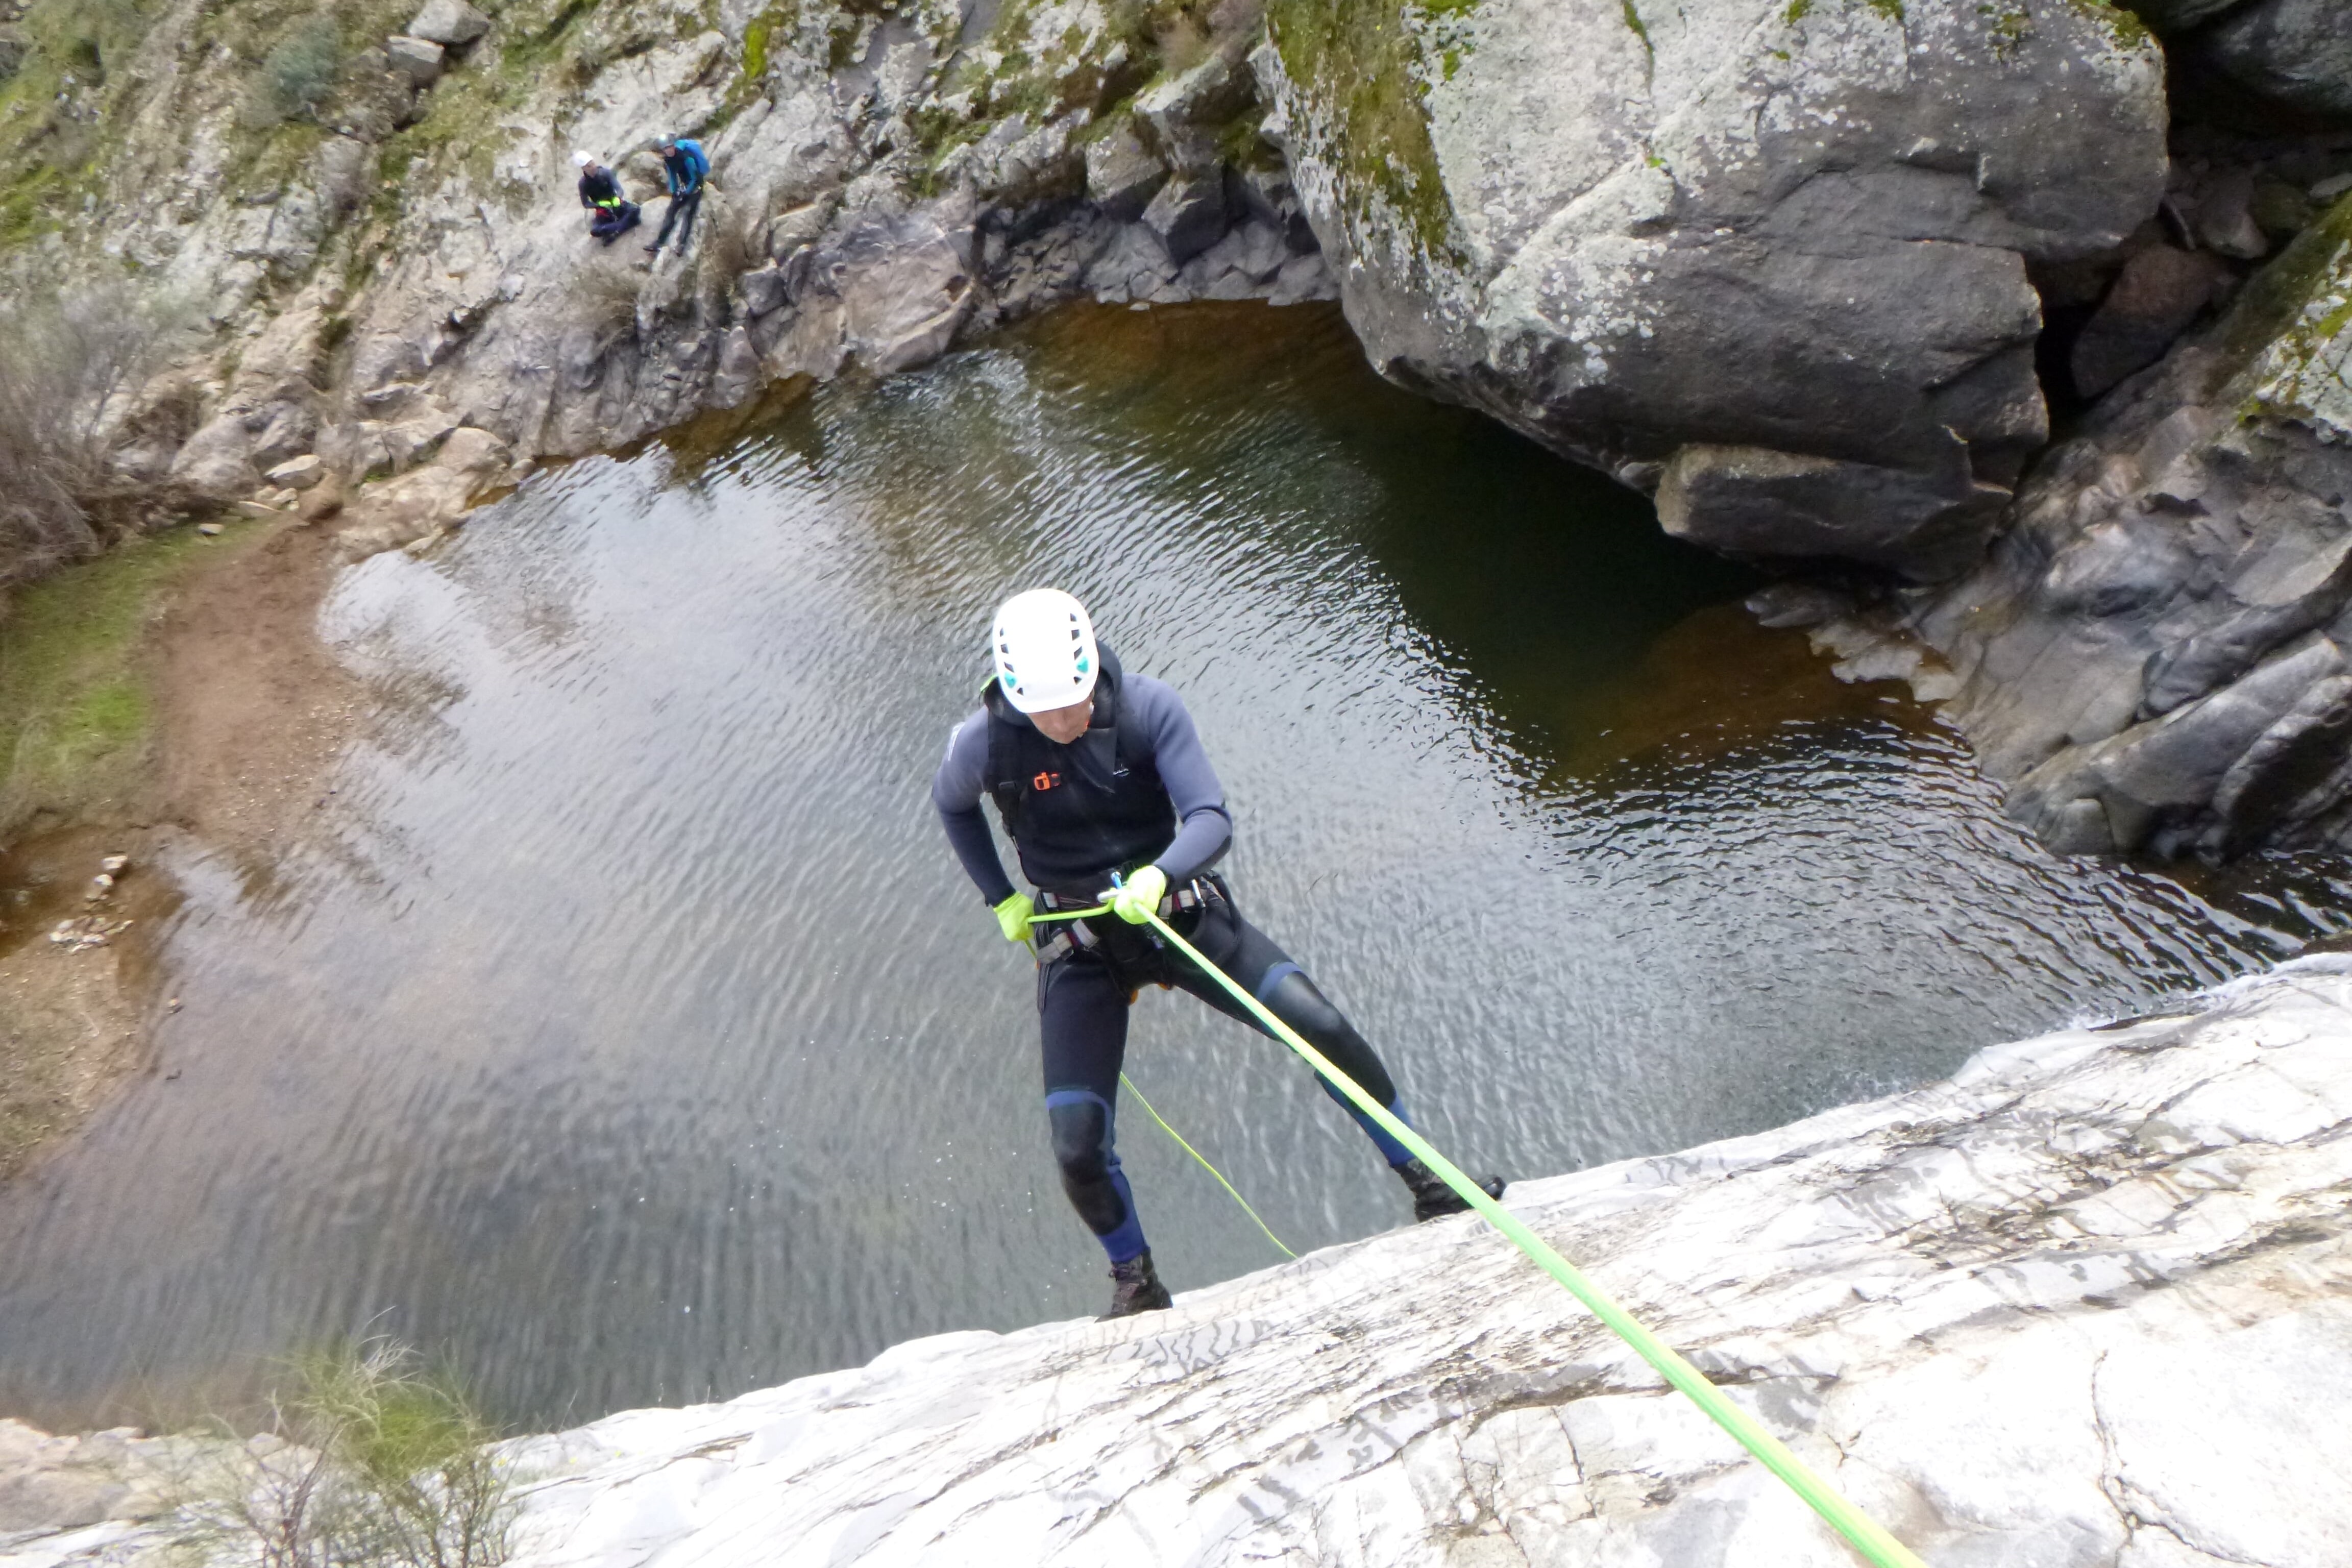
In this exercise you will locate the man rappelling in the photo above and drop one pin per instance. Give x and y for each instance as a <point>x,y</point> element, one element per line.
<point>1108,797</point>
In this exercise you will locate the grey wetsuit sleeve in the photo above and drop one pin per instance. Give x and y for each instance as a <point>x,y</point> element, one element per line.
<point>1193,787</point>
<point>956,790</point>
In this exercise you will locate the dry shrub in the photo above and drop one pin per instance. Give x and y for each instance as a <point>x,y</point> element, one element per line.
<point>371,1463</point>
<point>298,74</point>
<point>606,287</point>
<point>66,363</point>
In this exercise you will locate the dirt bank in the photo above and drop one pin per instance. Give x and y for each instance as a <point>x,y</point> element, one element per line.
<point>238,709</point>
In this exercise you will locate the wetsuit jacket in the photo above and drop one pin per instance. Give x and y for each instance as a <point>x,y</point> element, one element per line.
<point>1059,848</point>
<point>598,188</point>
<point>684,167</point>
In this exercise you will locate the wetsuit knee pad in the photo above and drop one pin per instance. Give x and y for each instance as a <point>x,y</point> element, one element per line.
<point>1081,1139</point>
<point>1091,1178</point>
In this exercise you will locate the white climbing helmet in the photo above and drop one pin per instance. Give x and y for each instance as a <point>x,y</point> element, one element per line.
<point>1043,649</point>
<point>586,160</point>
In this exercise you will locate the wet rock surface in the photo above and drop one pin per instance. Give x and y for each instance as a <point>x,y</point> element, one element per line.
<point>2081,1304</point>
<point>2154,656</point>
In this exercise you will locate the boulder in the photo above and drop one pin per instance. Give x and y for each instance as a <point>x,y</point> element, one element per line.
<point>321,500</point>
<point>449,22</point>
<point>1181,115</point>
<point>217,460</point>
<point>2225,216</point>
<point>1188,214</point>
<point>287,430</point>
<point>889,287</point>
<point>2294,53</point>
<point>1758,501</point>
<point>416,506</point>
<point>2155,298</point>
<point>1268,196</point>
<point>1627,228</point>
<point>1122,176</point>
<point>2151,656</point>
<point>763,289</point>
<point>418,60</point>
<point>474,452</point>
<point>300,474</point>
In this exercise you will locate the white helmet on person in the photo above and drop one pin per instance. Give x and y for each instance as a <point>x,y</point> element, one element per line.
<point>1042,647</point>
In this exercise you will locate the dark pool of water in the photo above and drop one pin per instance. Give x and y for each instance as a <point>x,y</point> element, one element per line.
<point>626,1032</point>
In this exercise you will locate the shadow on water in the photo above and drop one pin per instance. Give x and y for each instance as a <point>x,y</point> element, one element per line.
<point>626,1032</point>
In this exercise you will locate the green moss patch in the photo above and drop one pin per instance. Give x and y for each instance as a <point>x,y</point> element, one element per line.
<point>60,109</point>
<point>2288,313</point>
<point>2123,26</point>
<point>77,708</point>
<point>1363,64</point>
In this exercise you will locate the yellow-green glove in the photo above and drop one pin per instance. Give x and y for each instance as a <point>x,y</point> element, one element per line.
<point>1013,917</point>
<point>1138,899</point>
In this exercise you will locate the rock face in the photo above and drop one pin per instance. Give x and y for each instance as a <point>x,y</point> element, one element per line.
<point>2080,1306</point>
<point>2156,654</point>
<point>1768,258</point>
<point>2293,54</point>
<point>886,181</point>
<point>2297,53</point>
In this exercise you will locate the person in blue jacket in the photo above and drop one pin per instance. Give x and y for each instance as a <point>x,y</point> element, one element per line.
<point>1100,777</point>
<point>685,166</point>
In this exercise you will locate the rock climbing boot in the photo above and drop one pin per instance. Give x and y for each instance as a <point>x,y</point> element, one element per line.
<point>1134,1287</point>
<point>1432,1198</point>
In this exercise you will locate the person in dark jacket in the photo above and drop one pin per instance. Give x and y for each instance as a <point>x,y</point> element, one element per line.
<point>1100,778</point>
<point>610,212</point>
<point>684,167</point>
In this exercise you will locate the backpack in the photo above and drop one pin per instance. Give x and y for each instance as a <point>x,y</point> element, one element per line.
<point>695,159</point>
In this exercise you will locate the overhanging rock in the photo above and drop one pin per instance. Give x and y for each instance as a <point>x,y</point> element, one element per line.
<point>1626,226</point>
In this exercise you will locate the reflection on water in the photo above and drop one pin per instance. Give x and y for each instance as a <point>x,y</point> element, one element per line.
<point>629,1035</point>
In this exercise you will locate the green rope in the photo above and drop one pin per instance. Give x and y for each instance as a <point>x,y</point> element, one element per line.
<point>1868,1536</point>
<point>1204,1165</point>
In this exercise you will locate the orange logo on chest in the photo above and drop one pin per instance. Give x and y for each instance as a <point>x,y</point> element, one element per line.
<point>1045,781</point>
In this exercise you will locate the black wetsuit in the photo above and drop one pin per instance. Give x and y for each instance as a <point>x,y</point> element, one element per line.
<point>612,214</point>
<point>1136,789</point>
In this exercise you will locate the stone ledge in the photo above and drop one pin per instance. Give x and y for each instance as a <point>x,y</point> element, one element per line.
<point>2080,1305</point>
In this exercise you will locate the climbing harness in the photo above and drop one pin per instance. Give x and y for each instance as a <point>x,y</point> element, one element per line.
<point>1072,936</point>
<point>1865,1534</point>
<point>1205,1166</point>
